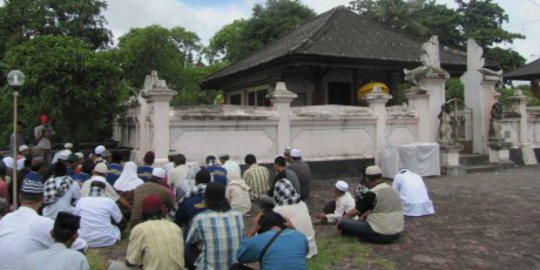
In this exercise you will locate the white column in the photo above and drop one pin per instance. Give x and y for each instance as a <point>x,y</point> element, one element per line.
<point>281,99</point>
<point>520,104</point>
<point>158,96</point>
<point>377,103</point>
<point>419,102</point>
<point>435,84</point>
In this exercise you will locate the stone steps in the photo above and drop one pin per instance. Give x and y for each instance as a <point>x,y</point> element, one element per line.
<point>475,163</point>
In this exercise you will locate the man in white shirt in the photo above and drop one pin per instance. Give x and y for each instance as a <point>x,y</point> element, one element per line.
<point>169,165</point>
<point>100,171</point>
<point>229,165</point>
<point>177,176</point>
<point>61,192</point>
<point>413,193</point>
<point>24,232</point>
<point>344,203</point>
<point>97,212</point>
<point>59,256</point>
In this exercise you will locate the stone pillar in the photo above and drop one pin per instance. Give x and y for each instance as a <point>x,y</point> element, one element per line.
<point>158,97</point>
<point>435,85</point>
<point>519,103</point>
<point>281,99</point>
<point>431,78</point>
<point>377,102</point>
<point>419,102</point>
<point>479,84</point>
<point>450,159</point>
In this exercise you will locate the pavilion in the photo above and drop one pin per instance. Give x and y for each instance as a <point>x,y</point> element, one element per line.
<point>325,60</point>
<point>529,72</point>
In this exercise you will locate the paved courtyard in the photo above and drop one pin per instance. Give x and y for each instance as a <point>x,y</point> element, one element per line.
<point>486,220</point>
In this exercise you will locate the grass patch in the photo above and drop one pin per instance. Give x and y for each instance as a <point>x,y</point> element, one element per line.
<point>345,253</point>
<point>99,258</point>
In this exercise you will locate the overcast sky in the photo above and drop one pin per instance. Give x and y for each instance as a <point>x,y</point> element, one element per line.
<point>205,17</point>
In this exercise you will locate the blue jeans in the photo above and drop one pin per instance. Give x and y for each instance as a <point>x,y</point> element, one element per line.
<point>364,231</point>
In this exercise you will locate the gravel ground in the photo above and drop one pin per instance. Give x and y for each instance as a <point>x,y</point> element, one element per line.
<point>486,220</point>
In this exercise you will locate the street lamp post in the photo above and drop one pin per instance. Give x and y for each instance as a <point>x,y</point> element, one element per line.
<point>15,80</point>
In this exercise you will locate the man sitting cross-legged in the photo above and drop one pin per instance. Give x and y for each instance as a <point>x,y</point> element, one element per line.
<point>273,242</point>
<point>381,207</point>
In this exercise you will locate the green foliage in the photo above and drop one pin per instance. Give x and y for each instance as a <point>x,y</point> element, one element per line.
<point>22,20</point>
<point>77,87</point>
<point>454,89</point>
<point>482,20</point>
<point>223,45</point>
<point>268,22</point>
<point>168,51</point>
<point>507,58</point>
<point>478,19</point>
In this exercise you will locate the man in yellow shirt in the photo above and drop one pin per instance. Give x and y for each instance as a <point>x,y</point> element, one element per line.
<point>154,244</point>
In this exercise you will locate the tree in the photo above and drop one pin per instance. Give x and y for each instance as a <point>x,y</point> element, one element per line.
<point>478,19</point>
<point>268,23</point>
<point>22,20</point>
<point>482,20</point>
<point>508,59</point>
<point>78,88</point>
<point>154,47</point>
<point>224,43</point>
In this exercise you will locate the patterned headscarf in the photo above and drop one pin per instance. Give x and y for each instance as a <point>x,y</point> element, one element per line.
<point>54,191</point>
<point>284,193</point>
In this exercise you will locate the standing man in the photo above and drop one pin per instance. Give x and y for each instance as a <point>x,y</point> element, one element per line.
<point>257,177</point>
<point>382,210</point>
<point>302,171</point>
<point>20,138</point>
<point>59,256</point>
<point>43,134</point>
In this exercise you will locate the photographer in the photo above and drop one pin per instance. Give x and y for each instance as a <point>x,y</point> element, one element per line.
<point>43,134</point>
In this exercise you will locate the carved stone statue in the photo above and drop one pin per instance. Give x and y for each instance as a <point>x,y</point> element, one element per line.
<point>431,57</point>
<point>495,127</point>
<point>445,126</point>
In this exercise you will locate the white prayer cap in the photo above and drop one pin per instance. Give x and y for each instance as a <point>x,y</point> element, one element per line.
<point>296,153</point>
<point>64,154</point>
<point>68,145</point>
<point>101,168</point>
<point>23,147</point>
<point>100,149</point>
<point>287,151</point>
<point>373,170</point>
<point>8,161</point>
<point>79,154</point>
<point>342,185</point>
<point>159,172</point>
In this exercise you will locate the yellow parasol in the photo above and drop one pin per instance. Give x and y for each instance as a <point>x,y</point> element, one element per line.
<point>367,88</point>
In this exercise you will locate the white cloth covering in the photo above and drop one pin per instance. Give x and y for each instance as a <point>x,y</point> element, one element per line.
<point>343,204</point>
<point>232,167</point>
<point>413,193</point>
<point>298,214</point>
<point>237,193</point>
<point>422,158</point>
<point>109,190</point>
<point>56,257</point>
<point>96,227</point>
<point>128,180</point>
<point>24,232</point>
<point>63,203</point>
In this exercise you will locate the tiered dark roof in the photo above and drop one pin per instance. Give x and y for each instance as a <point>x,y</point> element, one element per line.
<point>527,72</point>
<point>338,35</point>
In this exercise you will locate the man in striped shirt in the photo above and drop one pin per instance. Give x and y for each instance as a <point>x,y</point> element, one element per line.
<point>217,230</point>
<point>257,177</point>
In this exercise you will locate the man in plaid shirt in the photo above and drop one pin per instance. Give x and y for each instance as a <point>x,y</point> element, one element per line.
<point>218,231</point>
